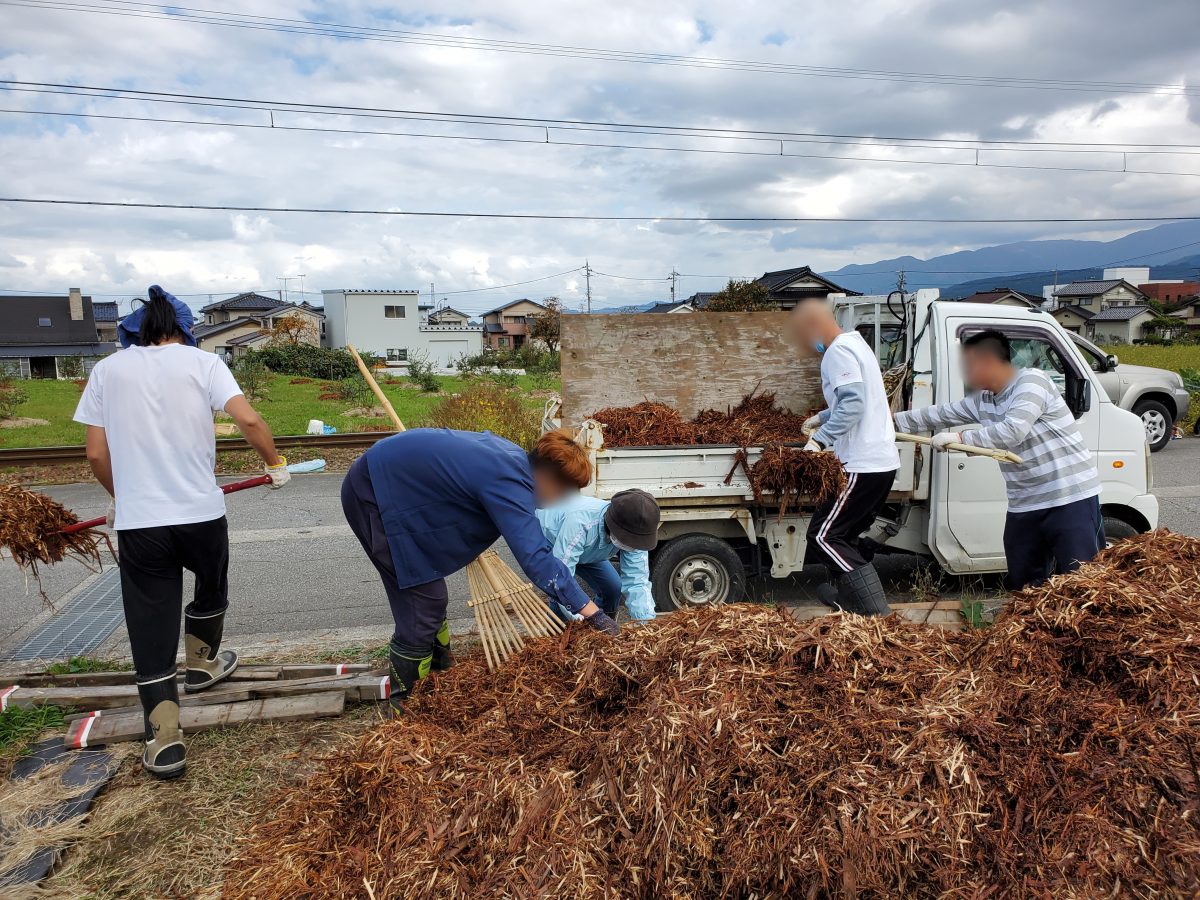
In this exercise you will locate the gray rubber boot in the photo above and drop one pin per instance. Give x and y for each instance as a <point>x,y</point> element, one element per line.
<point>165,755</point>
<point>861,592</point>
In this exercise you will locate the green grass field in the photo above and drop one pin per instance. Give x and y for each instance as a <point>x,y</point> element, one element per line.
<point>1174,357</point>
<point>287,408</point>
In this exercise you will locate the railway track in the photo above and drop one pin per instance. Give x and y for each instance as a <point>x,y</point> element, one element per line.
<point>49,456</point>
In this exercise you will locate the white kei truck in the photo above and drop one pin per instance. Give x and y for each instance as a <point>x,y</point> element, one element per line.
<point>950,506</point>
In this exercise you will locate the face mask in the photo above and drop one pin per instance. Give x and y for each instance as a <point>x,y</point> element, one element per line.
<point>619,545</point>
<point>819,347</point>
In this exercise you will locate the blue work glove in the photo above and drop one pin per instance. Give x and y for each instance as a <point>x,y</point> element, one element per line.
<point>602,622</point>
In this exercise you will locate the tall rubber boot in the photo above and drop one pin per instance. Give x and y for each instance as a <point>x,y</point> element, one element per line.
<point>861,592</point>
<point>206,664</point>
<point>408,666</point>
<point>443,659</point>
<point>165,755</point>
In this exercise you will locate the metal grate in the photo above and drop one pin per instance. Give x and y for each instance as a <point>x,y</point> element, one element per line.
<point>81,626</point>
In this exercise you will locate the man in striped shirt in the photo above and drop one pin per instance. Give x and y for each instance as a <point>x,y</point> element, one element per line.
<point>1054,520</point>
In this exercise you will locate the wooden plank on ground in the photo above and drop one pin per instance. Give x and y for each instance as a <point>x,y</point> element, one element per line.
<point>690,361</point>
<point>943,613</point>
<point>245,672</point>
<point>356,688</point>
<point>98,730</point>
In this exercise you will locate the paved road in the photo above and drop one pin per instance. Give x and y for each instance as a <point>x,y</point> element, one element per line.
<point>299,575</point>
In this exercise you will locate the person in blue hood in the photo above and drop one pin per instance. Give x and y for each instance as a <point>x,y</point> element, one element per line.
<point>426,502</point>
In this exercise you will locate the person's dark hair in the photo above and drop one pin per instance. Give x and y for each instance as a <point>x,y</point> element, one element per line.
<point>992,342</point>
<point>159,323</point>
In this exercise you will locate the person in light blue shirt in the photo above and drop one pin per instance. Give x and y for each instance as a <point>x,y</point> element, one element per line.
<point>586,533</point>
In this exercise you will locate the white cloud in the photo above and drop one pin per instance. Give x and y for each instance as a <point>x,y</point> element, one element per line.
<point>121,251</point>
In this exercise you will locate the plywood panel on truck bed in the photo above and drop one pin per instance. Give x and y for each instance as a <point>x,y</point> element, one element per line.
<point>692,361</point>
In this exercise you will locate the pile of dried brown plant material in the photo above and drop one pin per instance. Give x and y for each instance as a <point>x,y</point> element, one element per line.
<point>756,420</point>
<point>737,752</point>
<point>790,474</point>
<point>30,530</point>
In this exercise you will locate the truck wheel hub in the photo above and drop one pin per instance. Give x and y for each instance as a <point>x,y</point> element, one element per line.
<point>698,581</point>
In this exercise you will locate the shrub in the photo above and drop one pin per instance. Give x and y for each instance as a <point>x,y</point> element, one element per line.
<point>420,372</point>
<point>489,407</point>
<point>11,396</point>
<point>252,375</point>
<point>355,390</point>
<point>307,361</point>
<point>70,367</point>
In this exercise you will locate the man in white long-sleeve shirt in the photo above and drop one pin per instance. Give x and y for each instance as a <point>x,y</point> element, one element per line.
<point>1054,521</point>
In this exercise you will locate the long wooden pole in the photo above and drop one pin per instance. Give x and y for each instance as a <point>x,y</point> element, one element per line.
<point>374,386</point>
<point>999,455</point>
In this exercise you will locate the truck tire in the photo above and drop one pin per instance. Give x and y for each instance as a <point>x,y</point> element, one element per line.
<point>1117,530</point>
<point>696,570</point>
<point>1158,421</point>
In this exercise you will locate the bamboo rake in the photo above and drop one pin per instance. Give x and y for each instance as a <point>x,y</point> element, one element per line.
<point>999,455</point>
<point>495,588</point>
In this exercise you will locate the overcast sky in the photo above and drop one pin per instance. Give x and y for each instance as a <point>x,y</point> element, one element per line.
<point>107,251</point>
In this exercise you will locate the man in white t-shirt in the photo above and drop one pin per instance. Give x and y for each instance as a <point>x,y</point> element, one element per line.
<point>150,441</point>
<point>857,425</point>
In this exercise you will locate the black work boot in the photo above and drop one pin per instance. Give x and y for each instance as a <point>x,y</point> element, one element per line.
<point>165,755</point>
<point>206,665</point>
<point>408,666</point>
<point>861,592</point>
<point>443,659</point>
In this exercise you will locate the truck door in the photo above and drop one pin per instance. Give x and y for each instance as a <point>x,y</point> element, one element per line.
<point>969,499</point>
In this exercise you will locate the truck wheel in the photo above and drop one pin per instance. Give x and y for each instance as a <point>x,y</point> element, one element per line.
<point>1117,530</point>
<point>696,570</point>
<point>1157,419</point>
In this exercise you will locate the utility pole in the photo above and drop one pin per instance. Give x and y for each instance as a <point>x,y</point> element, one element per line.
<point>674,276</point>
<point>901,281</point>
<point>587,274</point>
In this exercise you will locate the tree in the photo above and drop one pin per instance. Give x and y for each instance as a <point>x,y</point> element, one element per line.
<point>295,328</point>
<point>545,326</point>
<point>741,296</point>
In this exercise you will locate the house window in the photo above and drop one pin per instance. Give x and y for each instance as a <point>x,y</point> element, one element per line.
<point>393,312</point>
<point>398,355</point>
<point>514,320</point>
<point>1085,301</point>
<point>44,321</point>
<point>502,342</point>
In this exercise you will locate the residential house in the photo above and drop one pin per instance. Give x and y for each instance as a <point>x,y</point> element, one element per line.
<point>390,324</point>
<point>232,330</point>
<point>1189,315</point>
<point>106,316</point>
<point>49,336</point>
<point>1171,293</point>
<point>787,287</point>
<point>1002,296</point>
<point>1120,324</point>
<point>1098,295</point>
<point>677,306</point>
<point>448,315</point>
<point>1073,318</point>
<point>506,327</point>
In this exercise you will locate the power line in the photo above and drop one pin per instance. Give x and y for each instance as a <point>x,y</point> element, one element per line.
<point>500,287</point>
<point>229,19</point>
<point>597,218</point>
<point>709,132</point>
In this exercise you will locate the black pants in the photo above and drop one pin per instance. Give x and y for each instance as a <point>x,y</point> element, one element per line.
<point>418,611</point>
<point>1046,542</point>
<point>152,562</point>
<point>838,522</point>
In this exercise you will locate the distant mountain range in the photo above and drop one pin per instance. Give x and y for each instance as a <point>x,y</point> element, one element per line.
<point>1170,250</point>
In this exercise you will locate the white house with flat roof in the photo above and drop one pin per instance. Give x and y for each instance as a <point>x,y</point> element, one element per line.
<point>393,325</point>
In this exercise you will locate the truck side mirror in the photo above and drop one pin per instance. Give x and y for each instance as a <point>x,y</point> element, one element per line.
<point>1079,396</point>
<point>1110,362</point>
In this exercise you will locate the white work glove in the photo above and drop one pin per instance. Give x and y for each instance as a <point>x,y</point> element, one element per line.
<point>279,474</point>
<point>813,447</point>
<point>811,424</point>
<point>110,514</point>
<point>940,441</point>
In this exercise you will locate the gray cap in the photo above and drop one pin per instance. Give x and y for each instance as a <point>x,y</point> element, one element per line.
<point>632,518</point>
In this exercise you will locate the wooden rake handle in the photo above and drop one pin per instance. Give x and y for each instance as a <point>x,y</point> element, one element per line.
<point>374,386</point>
<point>999,455</point>
<point>225,489</point>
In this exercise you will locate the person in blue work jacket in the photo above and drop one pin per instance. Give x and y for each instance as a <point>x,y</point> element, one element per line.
<point>426,502</point>
<point>588,532</point>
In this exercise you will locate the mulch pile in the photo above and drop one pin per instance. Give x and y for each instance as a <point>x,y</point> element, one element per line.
<point>736,752</point>
<point>29,526</point>
<point>791,474</point>
<point>755,421</point>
